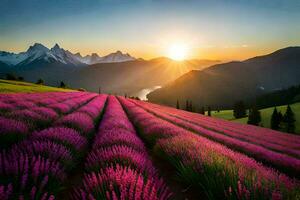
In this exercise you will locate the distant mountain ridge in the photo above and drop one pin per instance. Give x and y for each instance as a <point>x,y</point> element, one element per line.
<point>38,53</point>
<point>116,73</point>
<point>115,57</point>
<point>131,76</point>
<point>223,84</point>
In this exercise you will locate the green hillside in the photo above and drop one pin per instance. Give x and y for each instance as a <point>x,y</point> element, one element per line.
<point>265,114</point>
<point>7,86</point>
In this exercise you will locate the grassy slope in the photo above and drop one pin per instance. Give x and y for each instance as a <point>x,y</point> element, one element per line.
<point>18,86</point>
<point>265,113</point>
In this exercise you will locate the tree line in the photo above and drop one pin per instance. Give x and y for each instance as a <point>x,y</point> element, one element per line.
<point>279,97</point>
<point>191,108</point>
<point>40,81</point>
<point>284,122</point>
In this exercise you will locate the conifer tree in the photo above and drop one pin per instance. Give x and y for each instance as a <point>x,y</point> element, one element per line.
<point>209,111</point>
<point>177,104</point>
<point>62,84</point>
<point>11,77</point>
<point>275,121</point>
<point>40,81</point>
<point>239,110</point>
<point>289,120</point>
<point>20,78</point>
<point>254,117</point>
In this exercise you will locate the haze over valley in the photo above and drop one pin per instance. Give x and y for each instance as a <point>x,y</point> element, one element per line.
<point>116,73</point>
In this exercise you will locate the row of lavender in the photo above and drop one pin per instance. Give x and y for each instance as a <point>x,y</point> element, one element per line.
<point>279,150</point>
<point>216,170</point>
<point>272,139</point>
<point>29,112</point>
<point>118,166</point>
<point>36,166</point>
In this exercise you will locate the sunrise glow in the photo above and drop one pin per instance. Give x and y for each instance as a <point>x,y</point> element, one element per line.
<point>177,52</point>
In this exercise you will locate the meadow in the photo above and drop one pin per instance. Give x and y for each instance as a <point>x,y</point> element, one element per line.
<point>80,145</point>
<point>265,115</point>
<point>8,86</point>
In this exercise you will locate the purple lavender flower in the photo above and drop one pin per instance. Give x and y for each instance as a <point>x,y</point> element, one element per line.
<point>48,113</point>
<point>94,107</point>
<point>124,169</point>
<point>60,107</point>
<point>122,155</point>
<point>6,106</point>
<point>11,131</point>
<point>79,121</point>
<point>264,153</point>
<point>48,149</point>
<point>24,104</point>
<point>6,191</point>
<point>26,171</point>
<point>67,136</point>
<point>118,137</point>
<point>198,159</point>
<point>121,183</point>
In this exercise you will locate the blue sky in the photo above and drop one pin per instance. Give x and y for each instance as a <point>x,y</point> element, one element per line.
<point>145,28</point>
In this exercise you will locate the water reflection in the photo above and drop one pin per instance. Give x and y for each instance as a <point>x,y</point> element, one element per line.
<point>142,94</point>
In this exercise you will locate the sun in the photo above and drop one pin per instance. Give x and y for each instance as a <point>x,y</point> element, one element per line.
<point>177,52</point>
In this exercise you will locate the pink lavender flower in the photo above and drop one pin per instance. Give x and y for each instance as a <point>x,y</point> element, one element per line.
<point>122,155</point>
<point>124,170</point>
<point>6,106</point>
<point>6,191</point>
<point>25,170</point>
<point>67,136</point>
<point>118,182</point>
<point>48,113</point>
<point>28,116</point>
<point>255,148</point>
<point>24,104</point>
<point>10,126</point>
<point>79,121</point>
<point>60,107</point>
<point>118,137</point>
<point>199,160</point>
<point>94,107</point>
<point>11,131</point>
<point>49,149</point>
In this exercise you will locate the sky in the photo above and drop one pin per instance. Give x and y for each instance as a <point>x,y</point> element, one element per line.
<point>223,30</point>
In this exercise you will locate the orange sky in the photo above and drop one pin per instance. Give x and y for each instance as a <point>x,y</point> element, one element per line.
<point>223,30</point>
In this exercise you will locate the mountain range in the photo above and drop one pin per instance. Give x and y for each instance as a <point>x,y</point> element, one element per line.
<point>38,53</point>
<point>223,84</point>
<point>116,73</point>
<point>205,82</point>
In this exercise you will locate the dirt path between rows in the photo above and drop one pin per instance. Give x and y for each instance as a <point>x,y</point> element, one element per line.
<point>168,173</point>
<point>76,176</point>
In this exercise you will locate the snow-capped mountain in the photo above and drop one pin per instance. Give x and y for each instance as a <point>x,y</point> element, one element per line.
<point>89,59</point>
<point>38,53</point>
<point>118,56</point>
<point>64,56</point>
<point>12,58</point>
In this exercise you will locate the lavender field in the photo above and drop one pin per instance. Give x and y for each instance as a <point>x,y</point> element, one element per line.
<point>80,145</point>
